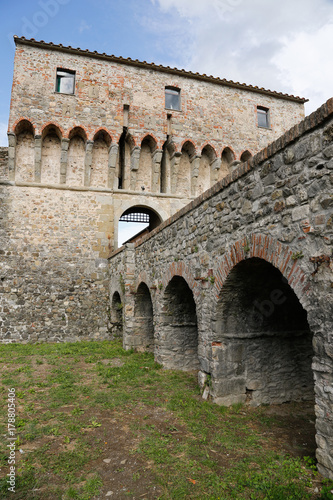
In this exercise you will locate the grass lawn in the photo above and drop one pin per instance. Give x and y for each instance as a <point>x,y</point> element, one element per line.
<point>93,421</point>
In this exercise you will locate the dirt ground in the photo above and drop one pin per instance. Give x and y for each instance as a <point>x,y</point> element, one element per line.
<point>125,474</point>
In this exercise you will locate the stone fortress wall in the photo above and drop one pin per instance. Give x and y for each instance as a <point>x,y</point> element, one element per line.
<point>239,284</point>
<point>77,161</point>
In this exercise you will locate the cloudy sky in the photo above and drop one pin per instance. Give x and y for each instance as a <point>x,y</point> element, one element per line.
<point>285,46</point>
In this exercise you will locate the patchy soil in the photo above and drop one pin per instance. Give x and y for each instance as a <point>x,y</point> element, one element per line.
<point>291,428</point>
<point>114,436</point>
<point>126,474</point>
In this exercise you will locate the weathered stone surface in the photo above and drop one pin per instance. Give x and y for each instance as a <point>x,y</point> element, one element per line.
<point>262,288</point>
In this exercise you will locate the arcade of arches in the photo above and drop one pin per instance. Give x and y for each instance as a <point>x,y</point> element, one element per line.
<point>238,284</point>
<point>74,161</point>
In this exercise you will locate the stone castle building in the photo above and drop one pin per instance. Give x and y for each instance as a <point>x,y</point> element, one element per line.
<point>234,278</point>
<point>93,138</point>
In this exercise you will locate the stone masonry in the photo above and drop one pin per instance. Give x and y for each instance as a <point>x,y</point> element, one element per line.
<point>239,283</point>
<point>236,280</point>
<point>77,161</point>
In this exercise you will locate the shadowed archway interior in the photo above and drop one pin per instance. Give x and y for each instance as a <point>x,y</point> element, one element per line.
<point>178,331</point>
<point>266,343</point>
<point>116,316</point>
<point>143,312</point>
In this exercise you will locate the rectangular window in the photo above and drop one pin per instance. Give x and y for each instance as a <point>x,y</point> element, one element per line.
<point>263,117</point>
<point>172,98</point>
<point>65,83</point>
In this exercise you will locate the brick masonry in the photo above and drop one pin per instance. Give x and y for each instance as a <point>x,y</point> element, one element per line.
<point>253,256</point>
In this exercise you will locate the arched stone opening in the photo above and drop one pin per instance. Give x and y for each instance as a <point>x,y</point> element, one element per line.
<point>205,171</point>
<point>184,173</point>
<point>145,171</point>
<point>25,152</point>
<point>100,157</point>
<point>226,160</point>
<point>116,319</point>
<point>144,326</point>
<point>263,349</point>
<point>126,147</point>
<point>76,157</point>
<point>178,330</point>
<point>135,222</point>
<point>246,155</point>
<point>51,155</point>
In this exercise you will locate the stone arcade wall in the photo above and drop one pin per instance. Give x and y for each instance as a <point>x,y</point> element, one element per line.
<point>252,257</point>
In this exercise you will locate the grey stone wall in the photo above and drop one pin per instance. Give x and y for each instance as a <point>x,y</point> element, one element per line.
<point>53,283</point>
<point>255,254</point>
<point>4,163</point>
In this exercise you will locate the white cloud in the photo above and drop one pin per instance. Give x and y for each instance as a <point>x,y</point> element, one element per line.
<point>3,134</point>
<point>303,63</point>
<point>285,46</point>
<point>84,26</point>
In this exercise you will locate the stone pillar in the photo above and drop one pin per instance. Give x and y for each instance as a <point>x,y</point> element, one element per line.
<point>38,157</point>
<point>174,168</point>
<point>129,299</point>
<point>195,164</point>
<point>156,174</point>
<point>87,163</point>
<point>135,161</point>
<point>216,165</point>
<point>63,160</point>
<point>11,155</point>
<point>112,165</point>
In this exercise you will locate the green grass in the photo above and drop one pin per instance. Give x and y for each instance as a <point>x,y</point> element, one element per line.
<point>191,448</point>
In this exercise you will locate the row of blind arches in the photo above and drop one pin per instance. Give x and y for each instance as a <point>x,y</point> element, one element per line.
<point>133,168</point>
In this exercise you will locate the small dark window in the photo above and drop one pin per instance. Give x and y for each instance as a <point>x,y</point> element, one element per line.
<point>65,83</point>
<point>263,117</point>
<point>172,98</point>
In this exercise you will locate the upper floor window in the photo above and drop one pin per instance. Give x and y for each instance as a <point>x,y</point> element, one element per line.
<point>172,98</point>
<point>65,83</point>
<point>263,117</point>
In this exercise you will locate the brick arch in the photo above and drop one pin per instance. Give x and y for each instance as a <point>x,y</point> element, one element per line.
<point>106,135</point>
<point>245,155</point>
<point>19,126</point>
<point>181,269</point>
<point>267,248</point>
<point>80,130</point>
<point>54,127</point>
<point>190,143</point>
<point>228,148</point>
<point>211,151</point>
<point>177,339</point>
<point>153,141</point>
<point>261,325</point>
